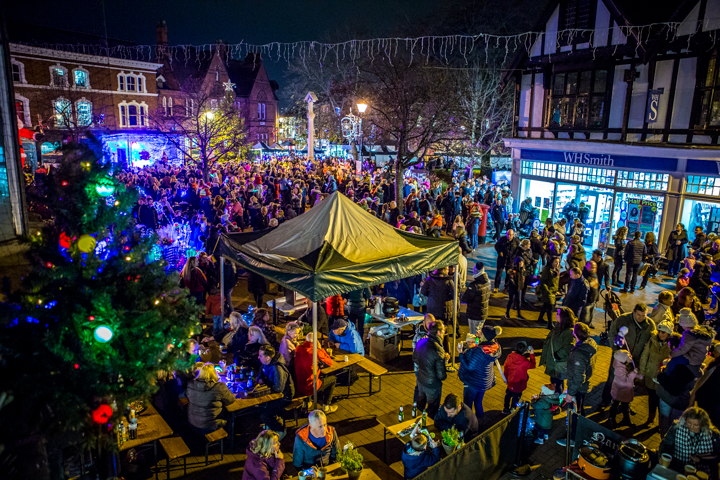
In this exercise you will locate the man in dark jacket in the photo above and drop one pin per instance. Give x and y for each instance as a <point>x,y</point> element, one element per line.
<point>429,357</point>
<point>699,243</point>
<point>634,255</point>
<point>276,376</point>
<point>356,303</point>
<point>506,249</point>
<point>580,365</point>
<point>603,269</point>
<point>448,207</point>
<point>477,298</point>
<point>477,362</point>
<point>577,292</point>
<point>456,414</point>
<point>230,279</point>
<point>439,290</point>
<point>147,215</point>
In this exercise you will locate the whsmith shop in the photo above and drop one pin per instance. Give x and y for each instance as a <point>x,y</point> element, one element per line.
<point>646,188</point>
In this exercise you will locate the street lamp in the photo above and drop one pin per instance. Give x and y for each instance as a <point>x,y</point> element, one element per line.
<point>209,115</point>
<point>362,107</point>
<point>352,129</point>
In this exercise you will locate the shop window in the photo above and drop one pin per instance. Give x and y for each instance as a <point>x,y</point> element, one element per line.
<point>577,99</point>
<point>601,176</point>
<point>539,169</point>
<point>703,185</point>
<point>643,180</point>
<point>697,213</point>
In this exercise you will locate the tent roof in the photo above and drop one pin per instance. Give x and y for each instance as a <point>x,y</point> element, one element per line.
<point>336,247</point>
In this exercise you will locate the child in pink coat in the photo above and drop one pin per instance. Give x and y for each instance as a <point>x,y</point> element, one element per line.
<point>623,387</point>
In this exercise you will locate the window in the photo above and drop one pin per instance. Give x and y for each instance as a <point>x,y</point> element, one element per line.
<point>189,107</point>
<point>643,180</point>
<point>703,185</point>
<point>601,176</point>
<point>22,108</point>
<point>539,169</point>
<point>58,76</point>
<point>123,116</point>
<point>214,104</point>
<point>133,114</point>
<point>130,80</point>
<point>709,92</point>
<point>18,71</point>
<point>121,82</point>
<point>84,113</point>
<point>575,15</point>
<point>577,99</point>
<point>81,78</point>
<point>170,105</point>
<point>63,112</point>
<point>165,106</point>
<point>140,84</point>
<point>261,111</point>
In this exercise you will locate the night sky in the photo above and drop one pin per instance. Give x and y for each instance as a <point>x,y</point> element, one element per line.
<point>205,21</point>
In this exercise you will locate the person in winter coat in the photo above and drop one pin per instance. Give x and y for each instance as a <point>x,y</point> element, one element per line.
<point>316,443</point>
<point>638,330</point>
<point>261,319</point>
<point>662,312</point>
<point>557,347</point>
<point>581,364</point>
<point>686,298</point>
<point>398,289</point>
<point>655,352</point>
<point>674,389</point>
<point>707,386</point>
<point>693,345</point>
<point>419,454</point>
<point>239,336</point>
<point>506,248</point>
<point>345,337</point>
<point>576,255</point>
<point>577,292</point>
<point>430,357</point>
<point>675,249</point>
<point>635,252</point>
<point>477,363</point>
<point>276,376</point>
<point>439,290</point>
<point>590,274</point>
<point>193,278</point>
<point>543,406</point>
<point>473,224</point>
<point>206,398</point>
<point>456,414</point>
<point>530,266</point>
<point>547,289</point>
<point>693,440</point>
<point>264,460</point>
<point>516,369</point>
<point>289,343</point>
<point>619,255</point>
<point>651,254</point>
<point>304,374</point>
<point>623,387</point>
<point>335,306</point>
<point>515,283</point>
<point>356,304</point>
<point>256,286</point>
<point>701,280</point>
<point>477,298</point>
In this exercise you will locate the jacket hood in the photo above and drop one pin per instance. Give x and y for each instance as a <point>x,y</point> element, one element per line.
<point>702,332</point>
<point>490,348</point>
<point>588,347</point>
<point>204,386</point>
<point>278,359</point>
<point>439,276</point>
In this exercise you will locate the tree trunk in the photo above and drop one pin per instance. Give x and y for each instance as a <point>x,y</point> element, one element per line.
<point>399,185</point>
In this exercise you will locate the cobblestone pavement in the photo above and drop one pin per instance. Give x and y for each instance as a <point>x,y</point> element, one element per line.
<point>355,418</point>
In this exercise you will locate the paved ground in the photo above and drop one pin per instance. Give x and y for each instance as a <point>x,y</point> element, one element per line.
<point>355,418</point>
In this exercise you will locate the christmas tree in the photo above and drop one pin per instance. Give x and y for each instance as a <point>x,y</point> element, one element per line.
<point>97,316</point>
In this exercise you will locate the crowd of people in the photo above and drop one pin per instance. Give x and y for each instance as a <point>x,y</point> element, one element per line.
<point>663,348</point>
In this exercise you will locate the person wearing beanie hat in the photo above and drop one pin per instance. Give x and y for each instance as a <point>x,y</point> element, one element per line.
<point>694,343</point>
<point>656,350</point>
<point>623,387</point>
<point>477,363</point>
<point>477,298</point>
<point>687,319</point>
<point>345,337</point>
<point>516,369</point>
<point>543,405</point>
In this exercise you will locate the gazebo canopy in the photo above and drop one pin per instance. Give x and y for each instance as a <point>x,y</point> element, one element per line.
<point>334,248</point>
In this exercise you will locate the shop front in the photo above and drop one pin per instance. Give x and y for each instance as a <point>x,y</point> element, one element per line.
<point>604,192</point>
<point>701,204</point>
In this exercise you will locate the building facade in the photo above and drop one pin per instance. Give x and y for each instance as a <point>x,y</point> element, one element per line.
<point>627,124</point>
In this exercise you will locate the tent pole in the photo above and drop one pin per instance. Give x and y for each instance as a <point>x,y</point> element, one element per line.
<point>455,299</point>
<point>315,359</point>
<point>222,290</point>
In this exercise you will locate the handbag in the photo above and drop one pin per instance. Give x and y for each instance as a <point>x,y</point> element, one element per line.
<point>560,367</point>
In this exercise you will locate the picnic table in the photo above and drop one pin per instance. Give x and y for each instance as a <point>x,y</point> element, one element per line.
<point>336,473</point>
<point>151,428</point>
<point>391,424</point>
<point>286,308</point>
<point>339,363</point>
<point>412,318</point>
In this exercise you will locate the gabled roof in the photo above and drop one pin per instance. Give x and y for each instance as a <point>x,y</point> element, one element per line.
<point>243,74</point>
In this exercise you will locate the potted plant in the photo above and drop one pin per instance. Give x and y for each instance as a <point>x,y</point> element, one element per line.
<point>351,460</point>
<point>451,438</point>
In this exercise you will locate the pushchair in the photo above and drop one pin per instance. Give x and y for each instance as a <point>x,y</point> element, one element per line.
<point>526,221</point>
<point>613,309</point>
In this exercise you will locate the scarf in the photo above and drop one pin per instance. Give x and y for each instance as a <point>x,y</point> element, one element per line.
<point>688,443</point>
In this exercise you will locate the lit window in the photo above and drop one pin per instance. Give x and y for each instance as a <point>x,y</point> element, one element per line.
<point>643,180</point>
<point>539,169</point>
<point>602,176</point>
<point>130,83</point>
<point>20,109</point>
<point>170,105</point>
<point>261,111</point>
<point>165,106</point>
<point>63,112</point>
<point>703,185</point>
<point>80,78</point>
<point>189,107</point>
<point>84,113</point>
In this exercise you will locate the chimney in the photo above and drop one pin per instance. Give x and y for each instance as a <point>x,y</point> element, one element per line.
<point>161,34</point>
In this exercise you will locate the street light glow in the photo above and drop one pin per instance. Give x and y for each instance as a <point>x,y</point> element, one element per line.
<point>362,107</point>
<point>209,115</point>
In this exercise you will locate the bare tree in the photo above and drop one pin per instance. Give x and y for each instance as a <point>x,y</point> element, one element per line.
<point>209,121</point>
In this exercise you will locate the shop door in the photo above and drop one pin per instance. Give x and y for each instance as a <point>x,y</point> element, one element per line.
<point>571,202</point>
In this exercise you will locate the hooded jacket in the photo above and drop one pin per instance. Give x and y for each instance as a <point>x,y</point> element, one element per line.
<point>662,313</point>
<point>694,344</point>
<point>477,363</point>
<point>637,336</point>
<point>206,401</point>
<point>349,341</point>
<point>304,367</point>
<point>542,406</point>
<point>259,468</point>
<point>653,355</point>
<point>581,363</point>
<point>623,386</point>
<point>477,298</point>
<point>415,463</point>
<point>306,454</point>
<point>278,378</point>
<point>556,348</point>
<point>439,290</point>
<point>429,357</point>
<point>516,371</point>
<point>549,284</point>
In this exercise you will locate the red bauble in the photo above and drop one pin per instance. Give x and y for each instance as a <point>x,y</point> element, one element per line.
<point>64,240</point>
<point>102,414</point>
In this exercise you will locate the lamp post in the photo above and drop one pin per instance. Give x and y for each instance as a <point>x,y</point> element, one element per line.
<point>352,130</point>
<point>209,116</point>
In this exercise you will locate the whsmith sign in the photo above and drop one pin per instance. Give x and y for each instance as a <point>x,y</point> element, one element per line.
<point>600,160</point>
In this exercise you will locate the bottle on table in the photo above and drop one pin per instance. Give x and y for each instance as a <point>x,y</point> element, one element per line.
<point>414,410</point>
<point>132,431</point>
<point>424,419</point>
<point>461,440</point>
<point>401,415</point>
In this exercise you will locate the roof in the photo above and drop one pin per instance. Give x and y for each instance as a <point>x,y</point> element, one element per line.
<point>243,74</point>
<point>645,12</point>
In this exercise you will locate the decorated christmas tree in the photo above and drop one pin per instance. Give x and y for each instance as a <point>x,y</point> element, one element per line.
<point>97,316</point>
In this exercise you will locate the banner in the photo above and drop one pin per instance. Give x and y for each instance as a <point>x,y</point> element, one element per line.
<point>640,216</point>
<point>488,456</point>
<point>713,224</point>
<point>653,103</point>
<point>590,432</point>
